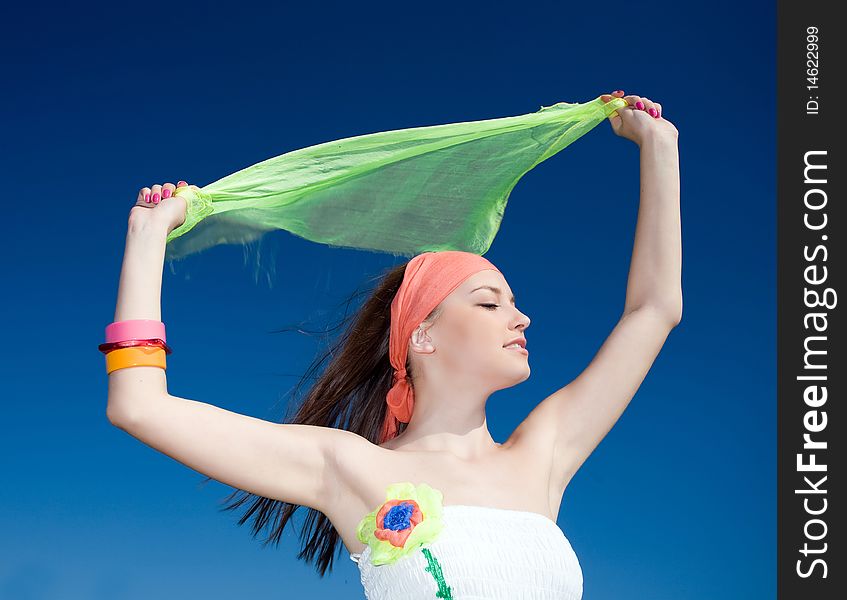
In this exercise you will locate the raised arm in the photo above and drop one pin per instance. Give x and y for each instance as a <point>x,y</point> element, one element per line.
<point>282,461</point>
<point>575,419</point>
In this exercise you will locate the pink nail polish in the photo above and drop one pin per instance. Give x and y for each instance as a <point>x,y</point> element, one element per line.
<point>155,198</point>
<point>652,112</point>
<point>166,193</point>
<point>147,197</point>
<point>639,105</point>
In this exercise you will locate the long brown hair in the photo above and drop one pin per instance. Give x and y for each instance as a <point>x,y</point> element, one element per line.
<point>349,394</point>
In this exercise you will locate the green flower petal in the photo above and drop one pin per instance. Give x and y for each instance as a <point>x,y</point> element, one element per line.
<point>384,553</point>
<point>402,490</point>
<point>426,531</point>
<point>366,528</point>
<point>430,500</point>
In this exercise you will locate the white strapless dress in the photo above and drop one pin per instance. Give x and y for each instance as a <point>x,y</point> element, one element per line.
<point>481,553</point>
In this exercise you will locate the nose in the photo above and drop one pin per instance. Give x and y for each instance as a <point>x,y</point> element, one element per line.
<point>523,321</point>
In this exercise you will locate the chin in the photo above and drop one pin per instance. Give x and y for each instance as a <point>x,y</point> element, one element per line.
<point>519,376</point>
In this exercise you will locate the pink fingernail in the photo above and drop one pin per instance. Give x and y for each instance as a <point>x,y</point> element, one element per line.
<point>147,197</point>
<point>155,198</point>
<point>652,112</point>
<point>639,105</point>
<point>166,193</point>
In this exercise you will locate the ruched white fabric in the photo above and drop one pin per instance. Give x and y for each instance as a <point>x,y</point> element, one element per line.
<point>485,553</point>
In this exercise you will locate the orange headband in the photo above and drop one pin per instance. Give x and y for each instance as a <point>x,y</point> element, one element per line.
<point>429,278</point>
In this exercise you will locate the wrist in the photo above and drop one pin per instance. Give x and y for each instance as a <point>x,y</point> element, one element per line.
<point>143,221</point>
<point>658,138</point>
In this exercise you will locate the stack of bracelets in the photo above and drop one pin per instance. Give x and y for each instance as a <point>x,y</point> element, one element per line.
<point>135,343</point>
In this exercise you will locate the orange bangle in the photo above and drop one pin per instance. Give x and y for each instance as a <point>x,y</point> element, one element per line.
<point>135,356</point>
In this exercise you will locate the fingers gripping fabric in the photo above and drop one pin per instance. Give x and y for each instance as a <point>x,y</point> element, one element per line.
<point>404,192</point>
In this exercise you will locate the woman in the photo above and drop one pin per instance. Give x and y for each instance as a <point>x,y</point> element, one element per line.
<point>391,449</point>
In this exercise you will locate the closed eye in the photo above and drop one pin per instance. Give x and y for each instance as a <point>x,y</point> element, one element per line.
<point>489,306</point>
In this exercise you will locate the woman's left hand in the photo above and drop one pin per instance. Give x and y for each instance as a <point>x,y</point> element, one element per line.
<point>640,119</point>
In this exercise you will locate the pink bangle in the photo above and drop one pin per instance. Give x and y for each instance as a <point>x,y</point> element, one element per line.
<point>135,329</point>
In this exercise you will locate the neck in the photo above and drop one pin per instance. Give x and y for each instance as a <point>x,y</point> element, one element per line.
<point>453,423</point>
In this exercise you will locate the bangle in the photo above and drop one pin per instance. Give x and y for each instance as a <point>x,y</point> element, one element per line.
<point>111,346</point>
<point>135,329</point>
<point>135,356</point>
<point>135,343</point>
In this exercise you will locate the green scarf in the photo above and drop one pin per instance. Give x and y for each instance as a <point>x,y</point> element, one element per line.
<point>406,191</point>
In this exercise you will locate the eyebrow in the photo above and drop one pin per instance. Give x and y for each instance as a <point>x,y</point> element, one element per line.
<point>496,290</point>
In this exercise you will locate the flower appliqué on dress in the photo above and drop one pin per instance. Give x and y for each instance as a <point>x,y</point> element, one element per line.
<point>410,518</point>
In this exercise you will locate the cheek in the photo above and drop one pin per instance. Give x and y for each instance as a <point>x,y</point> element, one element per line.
<point>467,335</point>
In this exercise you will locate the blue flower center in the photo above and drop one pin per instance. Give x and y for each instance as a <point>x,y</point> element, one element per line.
<point>398,516</point>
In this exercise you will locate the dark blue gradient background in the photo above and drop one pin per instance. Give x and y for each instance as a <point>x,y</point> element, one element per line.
<point>98,101</point>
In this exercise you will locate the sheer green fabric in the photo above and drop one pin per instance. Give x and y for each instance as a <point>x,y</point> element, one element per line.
<point>406,191</point>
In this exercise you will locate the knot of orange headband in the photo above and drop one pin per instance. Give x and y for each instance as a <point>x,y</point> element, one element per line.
<point>429,278</point>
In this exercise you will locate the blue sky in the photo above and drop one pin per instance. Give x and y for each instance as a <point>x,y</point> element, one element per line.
<point>678,500</point>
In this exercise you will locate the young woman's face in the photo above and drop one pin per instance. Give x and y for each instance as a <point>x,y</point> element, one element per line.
<point>475,325</point>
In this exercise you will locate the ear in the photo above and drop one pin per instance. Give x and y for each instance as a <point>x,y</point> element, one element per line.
<point>420,340</point>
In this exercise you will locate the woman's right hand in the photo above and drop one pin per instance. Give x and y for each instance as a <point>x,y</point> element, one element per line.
<point>158,204</point>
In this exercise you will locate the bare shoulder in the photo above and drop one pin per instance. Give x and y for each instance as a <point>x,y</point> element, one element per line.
<point>350,461</point>
<point>354,465</point>
<point>534,442</point>
<point>534,434</point>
